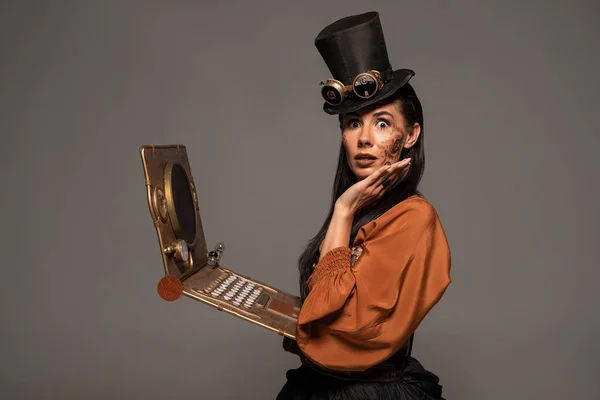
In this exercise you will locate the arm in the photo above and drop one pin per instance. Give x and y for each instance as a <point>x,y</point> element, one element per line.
<point>338,232</point>
<point>338,235</point>
<point>356,317</point>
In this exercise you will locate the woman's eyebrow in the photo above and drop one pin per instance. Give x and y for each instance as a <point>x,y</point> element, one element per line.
<point>380,113</point>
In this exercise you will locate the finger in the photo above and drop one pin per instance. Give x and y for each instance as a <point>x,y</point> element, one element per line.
<point>398,170</point>
<point>384,177</point>
<point>376,177</point>
<point>402,168</point>
<point>402,163</point>
<point>399,176</point>
<point>384,184</point>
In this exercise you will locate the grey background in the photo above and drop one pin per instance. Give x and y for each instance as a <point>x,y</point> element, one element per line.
<point>510,93</point>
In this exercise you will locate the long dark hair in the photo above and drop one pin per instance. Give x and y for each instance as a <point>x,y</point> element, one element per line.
<point>411,110</point>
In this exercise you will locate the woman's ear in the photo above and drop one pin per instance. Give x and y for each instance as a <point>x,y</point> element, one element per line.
<point>412,136</point>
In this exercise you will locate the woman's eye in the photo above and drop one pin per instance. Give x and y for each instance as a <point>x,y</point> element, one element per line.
<point>382,124</point>
<point>352,124</point>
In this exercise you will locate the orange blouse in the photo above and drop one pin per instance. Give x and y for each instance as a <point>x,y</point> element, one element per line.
<point>356,316</point>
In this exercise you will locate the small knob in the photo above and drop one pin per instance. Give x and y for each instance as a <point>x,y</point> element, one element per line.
<point>179,250</point>
<point>219,248</point>
<point>215,256</point>
<point>212,259</point>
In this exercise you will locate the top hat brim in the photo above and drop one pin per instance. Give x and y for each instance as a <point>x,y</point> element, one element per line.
<point>352,104</point>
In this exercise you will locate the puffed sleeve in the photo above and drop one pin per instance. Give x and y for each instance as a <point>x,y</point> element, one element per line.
<point>357,316</point>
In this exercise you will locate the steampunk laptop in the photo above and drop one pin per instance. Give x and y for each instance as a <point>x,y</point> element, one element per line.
<point>188,265</point>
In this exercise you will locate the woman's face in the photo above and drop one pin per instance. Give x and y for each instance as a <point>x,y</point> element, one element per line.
<point>375,137</point>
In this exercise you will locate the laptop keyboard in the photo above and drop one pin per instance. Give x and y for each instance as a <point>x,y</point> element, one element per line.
<point>237,291</point>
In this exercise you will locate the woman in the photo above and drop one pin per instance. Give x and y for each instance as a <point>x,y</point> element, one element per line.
<point>381,260</point>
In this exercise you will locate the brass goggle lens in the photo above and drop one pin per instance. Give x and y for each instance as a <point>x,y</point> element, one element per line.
<point>333,92</point>
<point>364,85</point>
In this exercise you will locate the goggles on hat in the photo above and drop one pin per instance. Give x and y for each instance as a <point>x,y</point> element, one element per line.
<point>365,85</point>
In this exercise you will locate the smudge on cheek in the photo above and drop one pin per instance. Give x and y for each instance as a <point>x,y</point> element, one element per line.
<point>390,149</point>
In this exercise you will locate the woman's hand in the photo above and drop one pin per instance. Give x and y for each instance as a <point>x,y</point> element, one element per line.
<point>372,187</point>
<point>356,197</point>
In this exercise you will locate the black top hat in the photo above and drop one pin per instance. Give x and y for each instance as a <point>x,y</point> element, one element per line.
<point>351,47</point>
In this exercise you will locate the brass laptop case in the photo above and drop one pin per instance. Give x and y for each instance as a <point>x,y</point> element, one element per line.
<point>184,250</point>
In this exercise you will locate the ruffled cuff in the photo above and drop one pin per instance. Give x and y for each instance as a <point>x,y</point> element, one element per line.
<point>335,259</point>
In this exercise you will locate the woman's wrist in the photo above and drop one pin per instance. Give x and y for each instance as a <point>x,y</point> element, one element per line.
<point>343,211</point>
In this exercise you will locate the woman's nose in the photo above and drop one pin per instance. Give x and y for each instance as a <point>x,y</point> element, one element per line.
<point>364,139</point>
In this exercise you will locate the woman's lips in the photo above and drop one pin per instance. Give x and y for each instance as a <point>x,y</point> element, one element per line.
<point>365,162</point>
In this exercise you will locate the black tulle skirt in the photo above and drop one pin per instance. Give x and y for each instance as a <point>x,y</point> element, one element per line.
<point>304,383</point>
